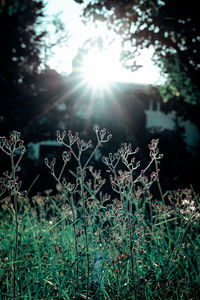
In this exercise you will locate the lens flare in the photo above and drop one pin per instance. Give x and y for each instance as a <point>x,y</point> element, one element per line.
<point>99,68</point>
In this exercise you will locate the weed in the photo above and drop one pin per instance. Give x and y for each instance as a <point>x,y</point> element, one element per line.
<point>83,244</point>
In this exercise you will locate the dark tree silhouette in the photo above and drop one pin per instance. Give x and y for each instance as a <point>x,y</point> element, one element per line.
<point>20,43</point>
<point>27,91</point>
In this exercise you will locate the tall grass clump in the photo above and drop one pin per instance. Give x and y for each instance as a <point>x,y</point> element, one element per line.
<point>85,244</point>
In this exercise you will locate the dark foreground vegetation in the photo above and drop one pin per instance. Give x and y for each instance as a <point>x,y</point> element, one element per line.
<point>84,244</point>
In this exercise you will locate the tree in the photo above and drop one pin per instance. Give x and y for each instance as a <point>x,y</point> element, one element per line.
<point>24,93</point>
<point>171,27</point>
<point>20,42</point>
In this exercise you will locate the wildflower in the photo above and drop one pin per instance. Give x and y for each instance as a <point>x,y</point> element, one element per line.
<point>66,156</point>
<point>109,137</point>
<point>137,149</point>
<point>63,134</point>
<point>96,128</point>
<point>185,202</point>
<point>46,160</point>
<point>89,143</point>
<point>154,175</point>
<point>102,133</point>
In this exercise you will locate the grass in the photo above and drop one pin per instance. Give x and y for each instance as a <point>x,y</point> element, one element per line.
<point>81,244</point>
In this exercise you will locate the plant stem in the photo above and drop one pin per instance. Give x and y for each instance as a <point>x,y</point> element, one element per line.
<point>163,201</point>
<point>130,238</point>
<point>86,235</point>
<point>93,152</point>
<point>16,226</point>
<point>158,182</point>
<point>75,243</point>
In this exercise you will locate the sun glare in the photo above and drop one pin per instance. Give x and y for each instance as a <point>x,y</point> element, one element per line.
<point>99,67</point>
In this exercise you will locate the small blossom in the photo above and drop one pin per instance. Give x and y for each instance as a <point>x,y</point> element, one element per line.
<point>63,134</point>
<point>96,128</point>
<point>46,160</point>
<point>109,137</point>
<point>154,175</point>
<point>66,156</point>
<point>105,160</point>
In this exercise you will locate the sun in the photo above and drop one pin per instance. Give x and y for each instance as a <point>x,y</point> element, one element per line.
<point>99,67</point>
<point>97,63</point>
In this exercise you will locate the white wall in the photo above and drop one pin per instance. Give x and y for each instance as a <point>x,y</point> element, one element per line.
<point>156,119</point>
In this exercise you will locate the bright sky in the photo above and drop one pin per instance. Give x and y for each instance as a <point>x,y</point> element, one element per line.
<point>108,61</point>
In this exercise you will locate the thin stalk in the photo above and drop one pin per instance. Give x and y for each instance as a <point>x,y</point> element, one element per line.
<point>147,167</point>
<point>163,201</point>
<point>158,182</point>
<point>16,226</point>
<point>130,237</point>
<point>75,243</point>
<point>86,236</point>
<point>71,149</point>
<point>84,217</point>
<point>93,152</point>
<point>129,213</point>
<point>62,170</point>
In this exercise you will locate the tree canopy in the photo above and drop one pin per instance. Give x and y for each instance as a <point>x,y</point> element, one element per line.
<point>27,89</point>
<point>171,27</point>
<point>20,41</point>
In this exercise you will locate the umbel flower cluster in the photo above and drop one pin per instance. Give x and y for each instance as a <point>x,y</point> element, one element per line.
<point>122,181</point>
<point>15,149</point>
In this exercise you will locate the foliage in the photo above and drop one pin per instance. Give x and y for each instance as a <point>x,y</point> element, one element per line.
<point>172,28</point>
<point>25,44</point>
<point>20,42</point>
<point>81,244</point>
<point>179,85</point>
<point>20,60</point>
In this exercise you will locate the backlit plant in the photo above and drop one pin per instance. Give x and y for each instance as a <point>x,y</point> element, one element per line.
<point>15,149</point>
<point>85,244</point>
